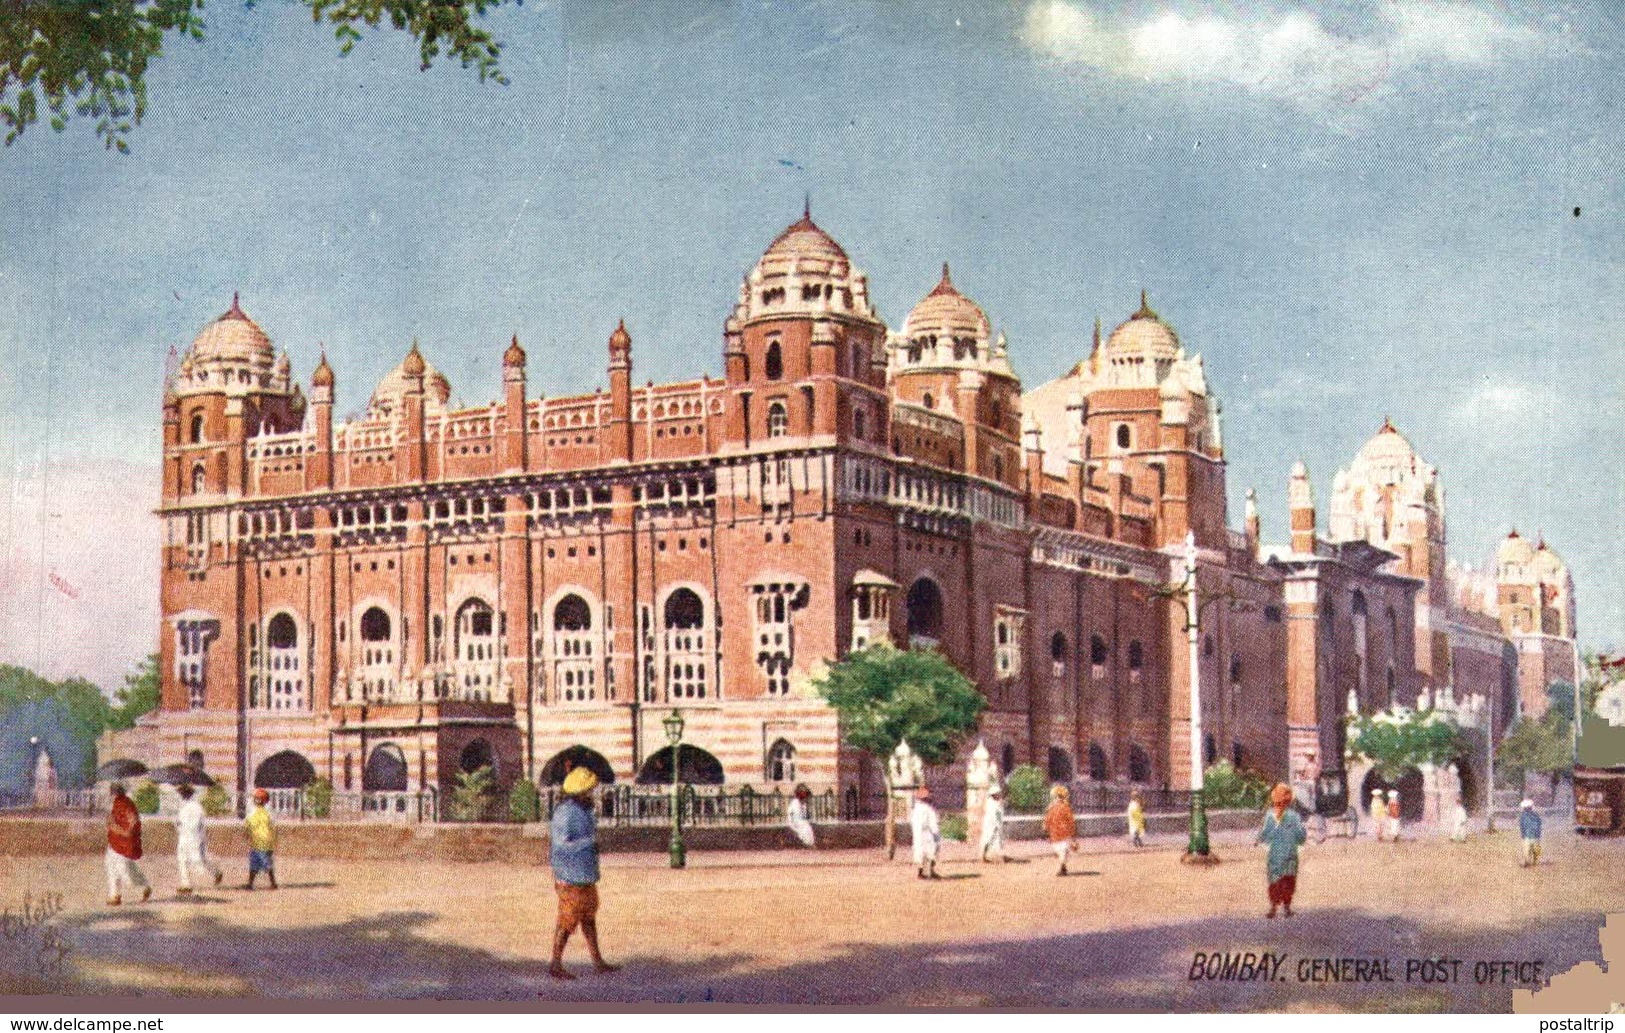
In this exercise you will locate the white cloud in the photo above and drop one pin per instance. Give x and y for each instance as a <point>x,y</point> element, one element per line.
<point>1290,56</point>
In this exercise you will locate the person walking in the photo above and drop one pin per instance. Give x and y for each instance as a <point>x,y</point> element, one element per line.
<point>1529,829</point>
<point>1061,825</point>
<point>991,842</point>
<point>261,840</point>
<point>1393,814</point>
<point>573,854</point>
<point>124,848</point>
<point>191,842</point>
<point>1136,819</point>
<point>797,817</point>
<point>926,832</point>
<point>1284,832</point>
<point>1458,822</point>
<point>1379,815</point>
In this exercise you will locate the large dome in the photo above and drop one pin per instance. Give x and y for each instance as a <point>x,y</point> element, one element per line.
<point>1387,445</point>
<point>803,239</point>
<point>233,338</point>
<point>804,272</point>
<point>947,313</point>
<point>1143,335</point>
<point>1515,549</point>
<point>386,397</point>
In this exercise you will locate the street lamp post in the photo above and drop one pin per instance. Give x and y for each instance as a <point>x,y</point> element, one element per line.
<point>1198,849</point>
<point>674,735</point>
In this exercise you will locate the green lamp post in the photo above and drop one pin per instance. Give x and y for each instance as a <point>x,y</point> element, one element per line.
<point>674,735</point>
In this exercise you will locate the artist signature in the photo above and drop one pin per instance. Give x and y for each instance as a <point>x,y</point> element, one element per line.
<point>30,926</point>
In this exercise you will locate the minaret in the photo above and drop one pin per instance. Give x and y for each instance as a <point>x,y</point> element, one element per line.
<point>414,454</point>
<point>1301,503</point>
<point>513,393</point>
<point>618,446</point>
<point>319,471</point>
<point>1252,523</point>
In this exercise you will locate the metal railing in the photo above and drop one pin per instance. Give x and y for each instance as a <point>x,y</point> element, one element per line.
<point>1089,796</point>
<point>700,806</point>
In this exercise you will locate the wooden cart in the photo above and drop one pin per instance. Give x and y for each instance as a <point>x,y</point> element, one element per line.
<point>1599,800</point>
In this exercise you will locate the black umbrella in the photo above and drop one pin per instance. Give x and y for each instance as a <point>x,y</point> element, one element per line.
<point>120,768</point>
<point>181,774</point>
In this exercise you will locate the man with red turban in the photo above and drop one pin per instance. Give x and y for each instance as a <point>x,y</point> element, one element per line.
<point>1284,832</point>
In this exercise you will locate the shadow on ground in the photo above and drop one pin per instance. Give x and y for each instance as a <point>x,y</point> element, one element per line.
<point>135,952</point>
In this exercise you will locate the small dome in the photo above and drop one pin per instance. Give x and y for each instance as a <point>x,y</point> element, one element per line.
<point>323,377</point>
<point>1515,549</point>
<point>233,338</point>
<point>515,355</point>
<point>1144,334</point>
<point>386,398</point>
<point>619,339</point>
<point>946,312</point>
<point>803,239</point>
<point>1387,444</point>
<point>803,273</point>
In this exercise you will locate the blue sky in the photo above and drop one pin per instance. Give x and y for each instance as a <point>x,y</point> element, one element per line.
<point>1362,210</point>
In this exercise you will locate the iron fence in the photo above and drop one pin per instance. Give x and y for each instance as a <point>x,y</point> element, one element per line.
<point>713,806</point>
<point>1105,797</point>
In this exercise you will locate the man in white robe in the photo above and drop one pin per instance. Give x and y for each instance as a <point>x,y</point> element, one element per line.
<point>191,842</point>
<point>991,843</point>
<point>927,834</point>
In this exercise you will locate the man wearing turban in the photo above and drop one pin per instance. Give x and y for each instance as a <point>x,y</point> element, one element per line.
<point>573,852</point>
<point>1284,832</point>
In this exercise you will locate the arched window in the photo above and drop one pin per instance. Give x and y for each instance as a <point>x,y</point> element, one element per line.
<point>928,401</point>
<point>200,479</point>
<point>476,755</point>
<point>860,424</point>
<point>998,467</point>
<point>375,625</point>
<point>1136,655</point>
<point>284,674</point>
<point>474,647</point>
<point>1098,653</point>
<point>774,364</point>
<point>1058,653</point>
<point>575,673</point>
<point>688,646</point>
<point>1060,765</point>
<point>1007,758</point>
<point>778,420</point>
<point>1139,764</point>
<point>386,770</point>
<point>196,433</point>
<point>1210,749</point>
<point>781,762</point>
<point>1125,436</point>
<point>1235,669</point>
<point>1099,769</point>
<point>925,611</point>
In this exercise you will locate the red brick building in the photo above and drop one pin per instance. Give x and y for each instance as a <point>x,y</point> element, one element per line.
<point>390,600</point>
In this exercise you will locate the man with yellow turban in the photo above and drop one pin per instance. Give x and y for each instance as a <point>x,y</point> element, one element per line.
<point>1284,832</point>
<point>573,852</point>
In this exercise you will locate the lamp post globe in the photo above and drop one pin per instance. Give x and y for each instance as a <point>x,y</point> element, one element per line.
<point>674,735</point>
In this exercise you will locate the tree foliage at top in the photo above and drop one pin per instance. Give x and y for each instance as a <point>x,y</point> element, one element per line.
<point>1399,739</point>
<point>1544,746</point>
<point>91,57</point>
<point>885,696</point>
<point>138,695</point>
<point>68,716</point>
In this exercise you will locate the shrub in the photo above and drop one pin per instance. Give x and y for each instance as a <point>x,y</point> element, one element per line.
<point>955,827</point>
<point>145,798</point>
<point>523,803</point>
<point>216,801</point>
<point>471,793</point>
<point>319,798</point>
<point>1224,785</point>
<point>1027,789</point>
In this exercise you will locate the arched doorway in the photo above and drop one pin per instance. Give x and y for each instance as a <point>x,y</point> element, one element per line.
<point>1139,764</point>
<point>385,771</point>
<point>285,770</point>
<point>925,611</point>
<point>1060,765</point>
<point>695,767</point>
<point>578,756</point>
<point>1409,784</point>
<point>1099,769</point>
<point>1470,788</point>
<point>477,755</point>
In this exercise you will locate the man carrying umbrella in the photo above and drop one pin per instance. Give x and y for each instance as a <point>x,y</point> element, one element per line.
<point>191,842</point>
<point>124,848</point>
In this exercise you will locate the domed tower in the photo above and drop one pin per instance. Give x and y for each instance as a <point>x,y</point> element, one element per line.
<point>410,395</point>
<point>1535,600</point>
<point>1389,496</point>
<point>801,345</point>
<point>946,360</point>
<point>230,386</point>
<point>1150,429</point>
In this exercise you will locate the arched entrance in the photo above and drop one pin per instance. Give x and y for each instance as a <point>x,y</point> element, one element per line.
<point>1060,765</point>
<point>385,771</point>
<point>695,767</point>
<point>477,755</point>
<point>1469,783</point>
<point>1139,764</point>
<point>285,770</point>
<point>1409,784</point>
<point>925,611</point>
<point>578,756</point>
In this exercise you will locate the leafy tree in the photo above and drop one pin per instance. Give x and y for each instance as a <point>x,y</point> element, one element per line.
<point>216,801</point>
<point>471,793</point>
<point>146,798</point>
<point>524,804</point>
<point>1402,738</point>
<point>885,696</point>
<point>319,798</point>
<point>91,57</point>
<point>1026,791</point>
<point>1225,785</point>
<point>1541,747</point>
<point>138,695</point>
<point>955,827</point>
<point>73,707</point>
